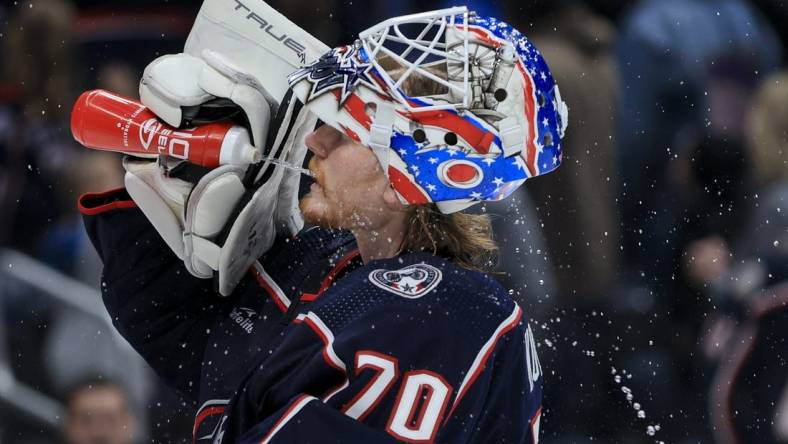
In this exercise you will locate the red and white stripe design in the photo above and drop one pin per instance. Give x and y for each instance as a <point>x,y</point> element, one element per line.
<point>529,100</point>
<point>484,354</point>
<point>534,423</point>
<point>209,408</point>
<point>356,108</point>
<point>276,293</point>
<point>480,139</point>
<point>329,355</point>
<point>291,412</point>
<point>406,186</point>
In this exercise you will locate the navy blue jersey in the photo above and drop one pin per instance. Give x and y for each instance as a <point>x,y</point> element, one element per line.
<point>314,346</point>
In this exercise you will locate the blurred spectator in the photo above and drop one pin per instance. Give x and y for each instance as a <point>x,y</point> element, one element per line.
<point>688,69</point>
<point>35,144</point>
<point>98,412</point>
<point>33,150</point>
<point>667,50</point>
<point>119,77</point>
<point>742,337</point>
<point>40,44</point>
<point>65,245</point>
<point>706,191</point>
<point>576,203</point>
<point>728,267</point>
<point>767,145</point>
<point>42,171</point>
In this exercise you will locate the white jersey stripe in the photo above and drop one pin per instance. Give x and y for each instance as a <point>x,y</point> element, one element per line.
<point>341,387</point>
<point>213,402</point>
<point>298,404</point>
<point>481,358</point>
<point>328,339</point>
<point>277,292</point>
<point>320,328</point>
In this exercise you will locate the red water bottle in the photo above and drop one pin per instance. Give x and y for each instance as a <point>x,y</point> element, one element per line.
<point>106,121</point>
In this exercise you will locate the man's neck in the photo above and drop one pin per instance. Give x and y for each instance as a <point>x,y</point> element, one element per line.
<point>383,243</point>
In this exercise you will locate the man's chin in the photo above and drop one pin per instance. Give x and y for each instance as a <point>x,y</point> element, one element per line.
<point>315,211</point>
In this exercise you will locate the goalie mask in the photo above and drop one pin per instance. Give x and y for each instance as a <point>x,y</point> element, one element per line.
<point>457,108</point>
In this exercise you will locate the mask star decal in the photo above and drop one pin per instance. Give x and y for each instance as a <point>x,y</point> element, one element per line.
<point>340,68</point>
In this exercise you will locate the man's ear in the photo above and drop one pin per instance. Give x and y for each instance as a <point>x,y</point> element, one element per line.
<point>392,200</point>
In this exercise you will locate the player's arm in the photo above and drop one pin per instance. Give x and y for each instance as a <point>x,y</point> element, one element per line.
<point>214,225</point>
<point>165,313</point>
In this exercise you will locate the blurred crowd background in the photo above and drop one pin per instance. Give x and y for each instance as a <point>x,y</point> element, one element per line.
<point>652,263</point>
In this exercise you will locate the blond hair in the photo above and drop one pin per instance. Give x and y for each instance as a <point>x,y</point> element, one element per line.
<point>465,239</point>
<point>767,129</point>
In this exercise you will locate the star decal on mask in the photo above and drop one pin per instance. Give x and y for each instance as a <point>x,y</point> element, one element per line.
<point>339,68</point>
<point>354,71</point>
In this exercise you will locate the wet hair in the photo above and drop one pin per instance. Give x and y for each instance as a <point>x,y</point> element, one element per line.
<point>465,239</point>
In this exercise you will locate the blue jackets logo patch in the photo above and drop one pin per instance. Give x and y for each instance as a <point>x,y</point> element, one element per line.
<point>413,281</point>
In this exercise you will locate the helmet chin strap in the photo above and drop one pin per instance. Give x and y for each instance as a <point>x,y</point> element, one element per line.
<point>380,133</point>
<point>512,136</point>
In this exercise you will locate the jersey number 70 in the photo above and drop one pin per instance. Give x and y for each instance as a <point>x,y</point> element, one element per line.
<point>420,404</point>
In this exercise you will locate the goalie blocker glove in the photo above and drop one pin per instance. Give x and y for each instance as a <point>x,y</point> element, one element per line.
<point>230,64</point>
<point>220,221</point>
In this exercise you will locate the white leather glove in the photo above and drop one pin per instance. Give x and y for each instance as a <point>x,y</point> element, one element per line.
<point>187,216</point>
<point>231,215</point>
<point>220,223</point>
<point>248,43</point>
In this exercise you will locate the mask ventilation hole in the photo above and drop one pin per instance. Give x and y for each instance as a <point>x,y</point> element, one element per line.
<point>540,97</point>
<point>547,140</point>
<point>419,136</point>
<point>371,108</point>
<point>500,94</point>
<point>450,139</point>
